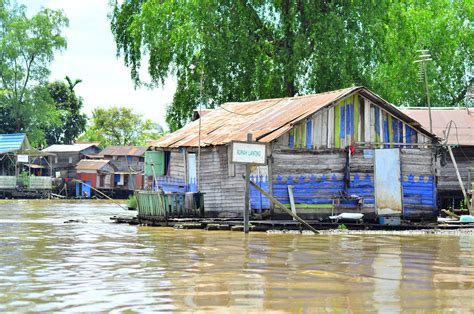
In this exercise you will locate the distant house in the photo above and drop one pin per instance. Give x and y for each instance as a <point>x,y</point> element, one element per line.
<point>457,125</point>
<point>129,164</point>
<point>66,157</point>
<point>95,173</point>
<point>24,171</point>
<point>344,150</point>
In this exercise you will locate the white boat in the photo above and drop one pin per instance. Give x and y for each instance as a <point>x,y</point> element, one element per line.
<point>347,216</point>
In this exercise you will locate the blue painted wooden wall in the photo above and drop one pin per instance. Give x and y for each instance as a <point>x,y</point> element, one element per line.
<point>419,193</point>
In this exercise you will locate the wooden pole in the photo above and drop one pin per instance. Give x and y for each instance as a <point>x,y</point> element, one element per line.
<point>247,191</point>
<point>281,206</point>
<point>292,200</point>
<point>457,172</point>
<point>106,196</point>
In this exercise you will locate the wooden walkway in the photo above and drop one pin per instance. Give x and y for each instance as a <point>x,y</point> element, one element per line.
<point>264,225</point>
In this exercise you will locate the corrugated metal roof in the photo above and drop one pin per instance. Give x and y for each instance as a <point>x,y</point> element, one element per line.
<point>267,119</point>
<point>463,125</point>
<point>13,142</point>
<point>91,164</point>
<point>58,148</point>
<point>123,151</point>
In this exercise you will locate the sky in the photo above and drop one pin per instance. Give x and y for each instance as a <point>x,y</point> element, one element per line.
<point>91,57</point>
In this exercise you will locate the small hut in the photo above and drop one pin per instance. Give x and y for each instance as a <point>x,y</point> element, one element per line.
<point>342,151</point>
<point>94,173</point>
<point>24,171</point>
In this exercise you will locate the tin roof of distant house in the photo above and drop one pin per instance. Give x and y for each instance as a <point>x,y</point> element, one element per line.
<point>137,151</point>
<point>91,164</point>
<point>13,142</point>
<point>60,148</point>
<point>462,128</point>
<point>266,119</point>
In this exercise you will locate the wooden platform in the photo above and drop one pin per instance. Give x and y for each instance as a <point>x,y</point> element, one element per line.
<point>264,225</point>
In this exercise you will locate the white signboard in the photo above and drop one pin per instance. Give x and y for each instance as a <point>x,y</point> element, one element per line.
<point>249,153</point>
<point>22,158</point>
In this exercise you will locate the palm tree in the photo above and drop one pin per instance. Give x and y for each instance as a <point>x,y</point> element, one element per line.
<point>71,83</point>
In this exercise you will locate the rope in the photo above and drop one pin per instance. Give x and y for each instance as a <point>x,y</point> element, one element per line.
<point>79,181</point>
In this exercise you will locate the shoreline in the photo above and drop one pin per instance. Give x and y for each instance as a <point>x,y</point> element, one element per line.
<point>465,231</point>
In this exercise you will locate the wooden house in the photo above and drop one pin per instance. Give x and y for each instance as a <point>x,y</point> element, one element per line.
<point>66,157</point>
<point>340,151</point>
<point>129,164</point>
<point>94,173</point>
<point>455,127</point>
<point>24,171</point>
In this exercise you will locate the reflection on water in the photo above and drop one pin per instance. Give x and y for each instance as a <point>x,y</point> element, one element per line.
<point>47,265</point>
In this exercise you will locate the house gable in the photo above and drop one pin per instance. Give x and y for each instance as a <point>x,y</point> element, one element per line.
<point>355,119</point>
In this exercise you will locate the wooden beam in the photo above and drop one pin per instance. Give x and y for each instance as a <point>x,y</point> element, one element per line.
<point>331,128</point>
<point>281,206</point>
<point>367,122</point>
<point>458,174</point>
<point>292,200</point>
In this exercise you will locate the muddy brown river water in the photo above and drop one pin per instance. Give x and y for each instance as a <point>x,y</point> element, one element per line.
<point>93,265</point>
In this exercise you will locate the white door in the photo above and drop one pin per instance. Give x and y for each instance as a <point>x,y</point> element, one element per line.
<point>388,188</point>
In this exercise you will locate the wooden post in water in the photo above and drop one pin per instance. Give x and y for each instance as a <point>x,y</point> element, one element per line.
<point>247,191</point>
<point>281,206</point>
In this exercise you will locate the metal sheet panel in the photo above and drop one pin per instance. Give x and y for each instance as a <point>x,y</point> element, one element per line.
<point>388,190</point>
<point>461,130</point>
<point>12,142</point>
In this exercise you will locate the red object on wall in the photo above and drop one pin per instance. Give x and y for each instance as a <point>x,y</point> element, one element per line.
<point>91,177</point>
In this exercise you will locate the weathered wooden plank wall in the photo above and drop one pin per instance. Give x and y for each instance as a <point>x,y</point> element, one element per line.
<point>352,120</point>
<point>223,194</point>
<point>419,186</point>
<point>447,179</point>
<point>178,165</point>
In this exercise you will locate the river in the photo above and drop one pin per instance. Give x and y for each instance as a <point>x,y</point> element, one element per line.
<point>93,265</point>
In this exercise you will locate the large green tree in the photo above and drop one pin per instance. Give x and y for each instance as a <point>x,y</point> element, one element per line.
<point>27,47</point>
<point>251,49</point>
<point>68,107</point>
<point>119,126</point>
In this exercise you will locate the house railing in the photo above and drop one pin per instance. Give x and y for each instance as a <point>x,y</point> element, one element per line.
<point>32,183</point>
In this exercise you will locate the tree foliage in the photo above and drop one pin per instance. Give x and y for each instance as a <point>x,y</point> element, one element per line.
<point>68,107</point>
<point>119,126</point>
<point>252,49</point>
<point>27,47</point>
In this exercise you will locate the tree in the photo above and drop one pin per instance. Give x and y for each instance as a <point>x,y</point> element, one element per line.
<point>252,49</point>
<point>119,126</point>
<point>68,107</point>
<point>27,47</point>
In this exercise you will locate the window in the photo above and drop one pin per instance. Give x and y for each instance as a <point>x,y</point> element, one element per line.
<point>70,159</point>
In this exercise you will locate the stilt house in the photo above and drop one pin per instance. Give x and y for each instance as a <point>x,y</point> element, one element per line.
<point>455,127</point>
<point>129,163</point>
<point>340,151</point>
<point>66,157</point>
<point>24,171</point>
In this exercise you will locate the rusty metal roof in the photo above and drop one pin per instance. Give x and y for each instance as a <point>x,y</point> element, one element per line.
<point>123,151</point>
<point>91,164</point>
<point>463,125</point>
<point>266,119</point>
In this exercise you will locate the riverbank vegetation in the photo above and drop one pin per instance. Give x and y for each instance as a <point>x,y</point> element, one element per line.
<point>119,126</point>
